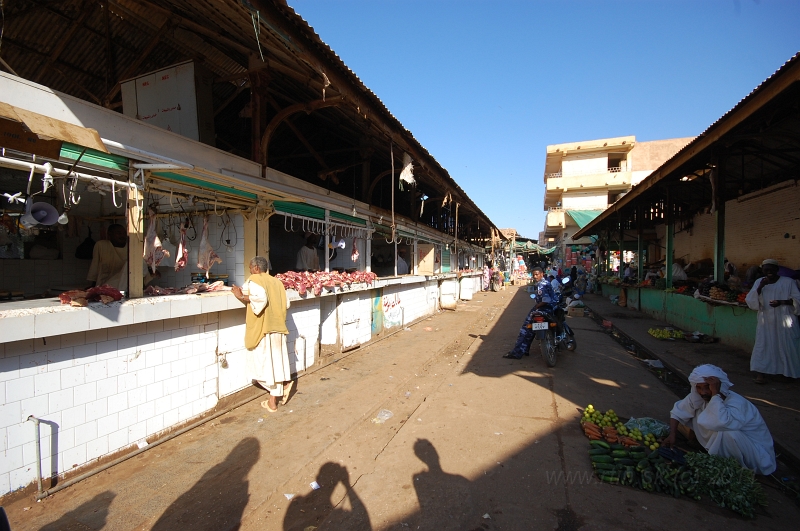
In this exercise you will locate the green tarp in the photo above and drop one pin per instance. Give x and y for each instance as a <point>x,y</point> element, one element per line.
<point>583,217</point>
<point>530,247</point>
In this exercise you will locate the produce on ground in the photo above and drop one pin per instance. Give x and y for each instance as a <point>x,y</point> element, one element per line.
<point>726,482</point>
<point>642,466</point>
<point>665,333</point>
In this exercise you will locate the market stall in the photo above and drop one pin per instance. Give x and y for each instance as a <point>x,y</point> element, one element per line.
<point>630,454</point>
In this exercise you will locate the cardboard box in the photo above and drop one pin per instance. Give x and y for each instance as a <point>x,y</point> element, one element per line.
<point>575,312</point>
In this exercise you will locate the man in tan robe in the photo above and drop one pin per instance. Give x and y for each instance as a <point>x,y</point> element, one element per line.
<point>109,258</point>
<point>265,332</point>
<point>110,261</point>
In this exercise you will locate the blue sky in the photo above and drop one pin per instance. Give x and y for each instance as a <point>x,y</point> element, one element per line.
<point>485,86</point>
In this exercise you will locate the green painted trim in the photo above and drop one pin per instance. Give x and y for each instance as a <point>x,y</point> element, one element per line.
<point>206,185</point>
<point>733,325</point>
<point>351,219</point>
<point>445,260</point>
<point>94,157</point>
<point>300,209</point>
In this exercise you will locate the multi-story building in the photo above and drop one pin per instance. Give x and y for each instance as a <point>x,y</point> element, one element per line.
<point>582,179</point>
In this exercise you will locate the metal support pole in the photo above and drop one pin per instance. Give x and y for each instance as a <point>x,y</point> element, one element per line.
<point>327,240</point>
<point>719,226</point>
<point>639,245</point>
<point>669,236</point>
<point>416,257</point>
<point>621,271</point>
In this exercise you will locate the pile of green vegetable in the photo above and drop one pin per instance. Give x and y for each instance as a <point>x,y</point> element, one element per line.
<point>721,479</point>
<point>726,482</point>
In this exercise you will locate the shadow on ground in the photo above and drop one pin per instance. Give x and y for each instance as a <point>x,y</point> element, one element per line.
<point>218,499</point>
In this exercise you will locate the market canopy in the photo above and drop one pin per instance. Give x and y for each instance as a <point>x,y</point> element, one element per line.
<point>583,217</point>
<point>531,247</point>
<point>745,151</point>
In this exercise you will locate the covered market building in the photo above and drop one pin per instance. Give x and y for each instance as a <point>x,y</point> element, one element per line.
<point>215,131</point>
<point>721,205</point>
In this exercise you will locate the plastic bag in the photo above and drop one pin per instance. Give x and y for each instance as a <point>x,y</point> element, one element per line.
<point>647,425</point>
<point>382,416</point>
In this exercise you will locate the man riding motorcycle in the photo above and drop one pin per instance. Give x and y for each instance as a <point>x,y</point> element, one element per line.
<point>547,297</point>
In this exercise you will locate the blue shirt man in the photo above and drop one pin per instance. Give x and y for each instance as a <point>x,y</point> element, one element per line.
<point>545,296</point>
<point>545,293</point>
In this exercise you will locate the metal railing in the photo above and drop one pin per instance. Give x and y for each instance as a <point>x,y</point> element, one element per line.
<point>558,175</point>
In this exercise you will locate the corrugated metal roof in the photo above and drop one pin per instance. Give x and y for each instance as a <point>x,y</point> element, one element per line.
<point>657,174</point>
<point>219,34</point>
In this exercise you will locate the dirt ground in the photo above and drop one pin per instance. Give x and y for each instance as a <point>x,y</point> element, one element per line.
<point>475,442</point>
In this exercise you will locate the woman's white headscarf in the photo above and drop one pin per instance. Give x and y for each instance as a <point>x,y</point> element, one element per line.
<point>701,372</point>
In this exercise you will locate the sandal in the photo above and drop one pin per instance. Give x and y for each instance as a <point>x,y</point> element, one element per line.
<point>287,390</point>
<point>265,405</point>
<point>760,381</point>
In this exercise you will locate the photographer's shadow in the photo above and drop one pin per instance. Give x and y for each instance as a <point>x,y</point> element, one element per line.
<point>445,500</point>
<point>324,508</point>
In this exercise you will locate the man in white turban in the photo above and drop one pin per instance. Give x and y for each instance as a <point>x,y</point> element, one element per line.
<point>777,347</point>
<point>724,422</point>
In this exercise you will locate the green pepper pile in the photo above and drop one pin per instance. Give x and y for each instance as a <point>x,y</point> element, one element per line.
<point>726,482</point>
<point>721,479</point>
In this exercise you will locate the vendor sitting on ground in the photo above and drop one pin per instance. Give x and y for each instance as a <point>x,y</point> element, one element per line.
<point>724,422</point>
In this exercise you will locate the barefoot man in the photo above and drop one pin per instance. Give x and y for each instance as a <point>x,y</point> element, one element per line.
<point>265,332</point>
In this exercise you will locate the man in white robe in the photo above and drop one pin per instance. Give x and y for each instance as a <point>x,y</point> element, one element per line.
<point>402,265</point>
<point>724,422</point>
<point>265,335</point>
<point>777,347</point>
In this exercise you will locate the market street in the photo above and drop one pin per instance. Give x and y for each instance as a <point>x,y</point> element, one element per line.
<point>475,442</point>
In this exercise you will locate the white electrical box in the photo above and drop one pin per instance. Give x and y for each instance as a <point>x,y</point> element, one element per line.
<point>177,98</point>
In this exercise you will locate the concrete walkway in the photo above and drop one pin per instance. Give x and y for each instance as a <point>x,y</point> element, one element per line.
<point>778,400</point>
<point>475,442</point>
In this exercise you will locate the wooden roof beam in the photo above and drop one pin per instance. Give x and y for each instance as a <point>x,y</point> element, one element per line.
<point>284,114</point>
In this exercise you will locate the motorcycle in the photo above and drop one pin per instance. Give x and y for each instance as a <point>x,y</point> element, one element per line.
<point>551,329</point>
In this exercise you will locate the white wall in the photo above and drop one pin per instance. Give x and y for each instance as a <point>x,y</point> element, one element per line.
<point>585,164</point>
<point>585,200</point>
<point>100,391</point>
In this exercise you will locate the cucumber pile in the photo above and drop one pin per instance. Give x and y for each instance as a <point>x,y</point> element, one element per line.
<point>641,468</point>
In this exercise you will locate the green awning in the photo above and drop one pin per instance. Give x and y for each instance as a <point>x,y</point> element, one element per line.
<point>584,217</point>
<point>345,217</point>
<point>300,209</point>
<point>204,185</point>
<point>94,157</point>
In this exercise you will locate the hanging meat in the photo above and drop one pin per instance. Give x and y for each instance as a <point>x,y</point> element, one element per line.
<point>183,251</point>
<point>154,253</point>
<point>206,256</point>
<point>354,254</point>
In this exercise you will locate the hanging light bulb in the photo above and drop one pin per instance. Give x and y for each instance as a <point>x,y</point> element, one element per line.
<point>63,219</point>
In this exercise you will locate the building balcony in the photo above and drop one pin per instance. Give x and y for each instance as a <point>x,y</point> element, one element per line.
<point>613,180</point>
